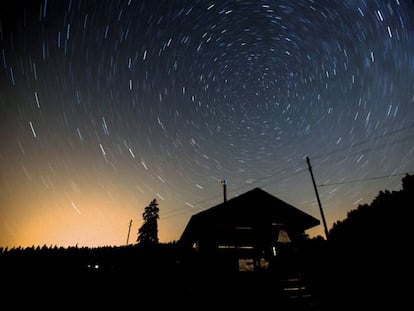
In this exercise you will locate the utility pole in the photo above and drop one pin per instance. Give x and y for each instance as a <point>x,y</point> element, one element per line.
<point>319,201</point>
<point>129,230</point>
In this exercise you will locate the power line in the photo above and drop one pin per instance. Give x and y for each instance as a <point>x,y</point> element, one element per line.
<point>364,141</point>
<point>366,150</point>
<point>184,210</point>
<point>363,151</point>
<point>299,169</point>
<point>363,179</point>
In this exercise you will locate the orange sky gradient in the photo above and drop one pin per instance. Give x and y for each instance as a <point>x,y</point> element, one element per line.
<point>94,217</point>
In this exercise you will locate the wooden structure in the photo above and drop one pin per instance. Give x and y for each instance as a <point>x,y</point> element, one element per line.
<point>249,232</point>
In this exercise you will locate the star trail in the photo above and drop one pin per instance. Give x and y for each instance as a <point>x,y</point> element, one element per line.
<point>106,105</point>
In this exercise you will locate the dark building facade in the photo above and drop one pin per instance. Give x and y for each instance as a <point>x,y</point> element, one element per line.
<point>250,232</point>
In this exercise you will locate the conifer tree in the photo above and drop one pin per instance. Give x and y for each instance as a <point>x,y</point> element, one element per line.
<point>148,232</point>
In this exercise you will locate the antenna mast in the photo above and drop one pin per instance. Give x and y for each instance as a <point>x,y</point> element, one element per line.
<point>224,184</point>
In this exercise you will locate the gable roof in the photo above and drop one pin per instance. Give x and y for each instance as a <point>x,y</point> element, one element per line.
<point>256,206</point>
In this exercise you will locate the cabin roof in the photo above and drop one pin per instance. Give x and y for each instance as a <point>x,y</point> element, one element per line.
<point>254,206</point>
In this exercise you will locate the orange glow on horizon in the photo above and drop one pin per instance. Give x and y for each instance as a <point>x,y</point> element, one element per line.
<point>91,220</point>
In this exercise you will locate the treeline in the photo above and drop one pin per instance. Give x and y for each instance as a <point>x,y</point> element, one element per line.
<point>106,259</point>
<point>367,260</point>
<point>386,220</point>
<point>82,277</point>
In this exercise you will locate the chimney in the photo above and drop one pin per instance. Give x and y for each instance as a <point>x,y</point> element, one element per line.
<point>224,183</point>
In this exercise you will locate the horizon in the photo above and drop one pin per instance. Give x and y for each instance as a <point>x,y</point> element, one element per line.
<point>315,232</point>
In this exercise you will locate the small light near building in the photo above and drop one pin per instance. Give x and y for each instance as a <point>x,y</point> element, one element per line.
<point>226,246</point>
<point>245,247</point>
<point>274,251</point>
<point>95,266</point>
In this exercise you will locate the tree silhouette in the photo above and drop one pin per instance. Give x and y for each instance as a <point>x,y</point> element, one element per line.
<point>148,232</point>
<point>408,183</point>
<point>384,220</point>
<point>371,249</point>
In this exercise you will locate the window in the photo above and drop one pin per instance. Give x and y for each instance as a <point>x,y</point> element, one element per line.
<point>246,264</point>
<point>283,237</point>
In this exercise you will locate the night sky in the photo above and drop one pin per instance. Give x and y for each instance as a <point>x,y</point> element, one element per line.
<point>106,105</point>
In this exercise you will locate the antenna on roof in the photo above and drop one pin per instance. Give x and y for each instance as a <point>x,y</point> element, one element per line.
<point>224,184</point>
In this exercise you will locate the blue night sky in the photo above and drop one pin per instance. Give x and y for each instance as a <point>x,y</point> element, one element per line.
<point>106,105</point>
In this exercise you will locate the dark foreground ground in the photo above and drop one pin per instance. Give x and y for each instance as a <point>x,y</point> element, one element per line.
<point>158,289</point>
<point>320,279</point>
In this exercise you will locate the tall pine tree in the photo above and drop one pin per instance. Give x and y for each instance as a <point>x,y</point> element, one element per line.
<point>148,232</point>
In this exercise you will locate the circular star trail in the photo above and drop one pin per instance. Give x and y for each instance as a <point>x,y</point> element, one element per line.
<point>106,105</point>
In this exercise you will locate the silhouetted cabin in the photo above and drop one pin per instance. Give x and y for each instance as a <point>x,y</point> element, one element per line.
<point>246,233</point>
